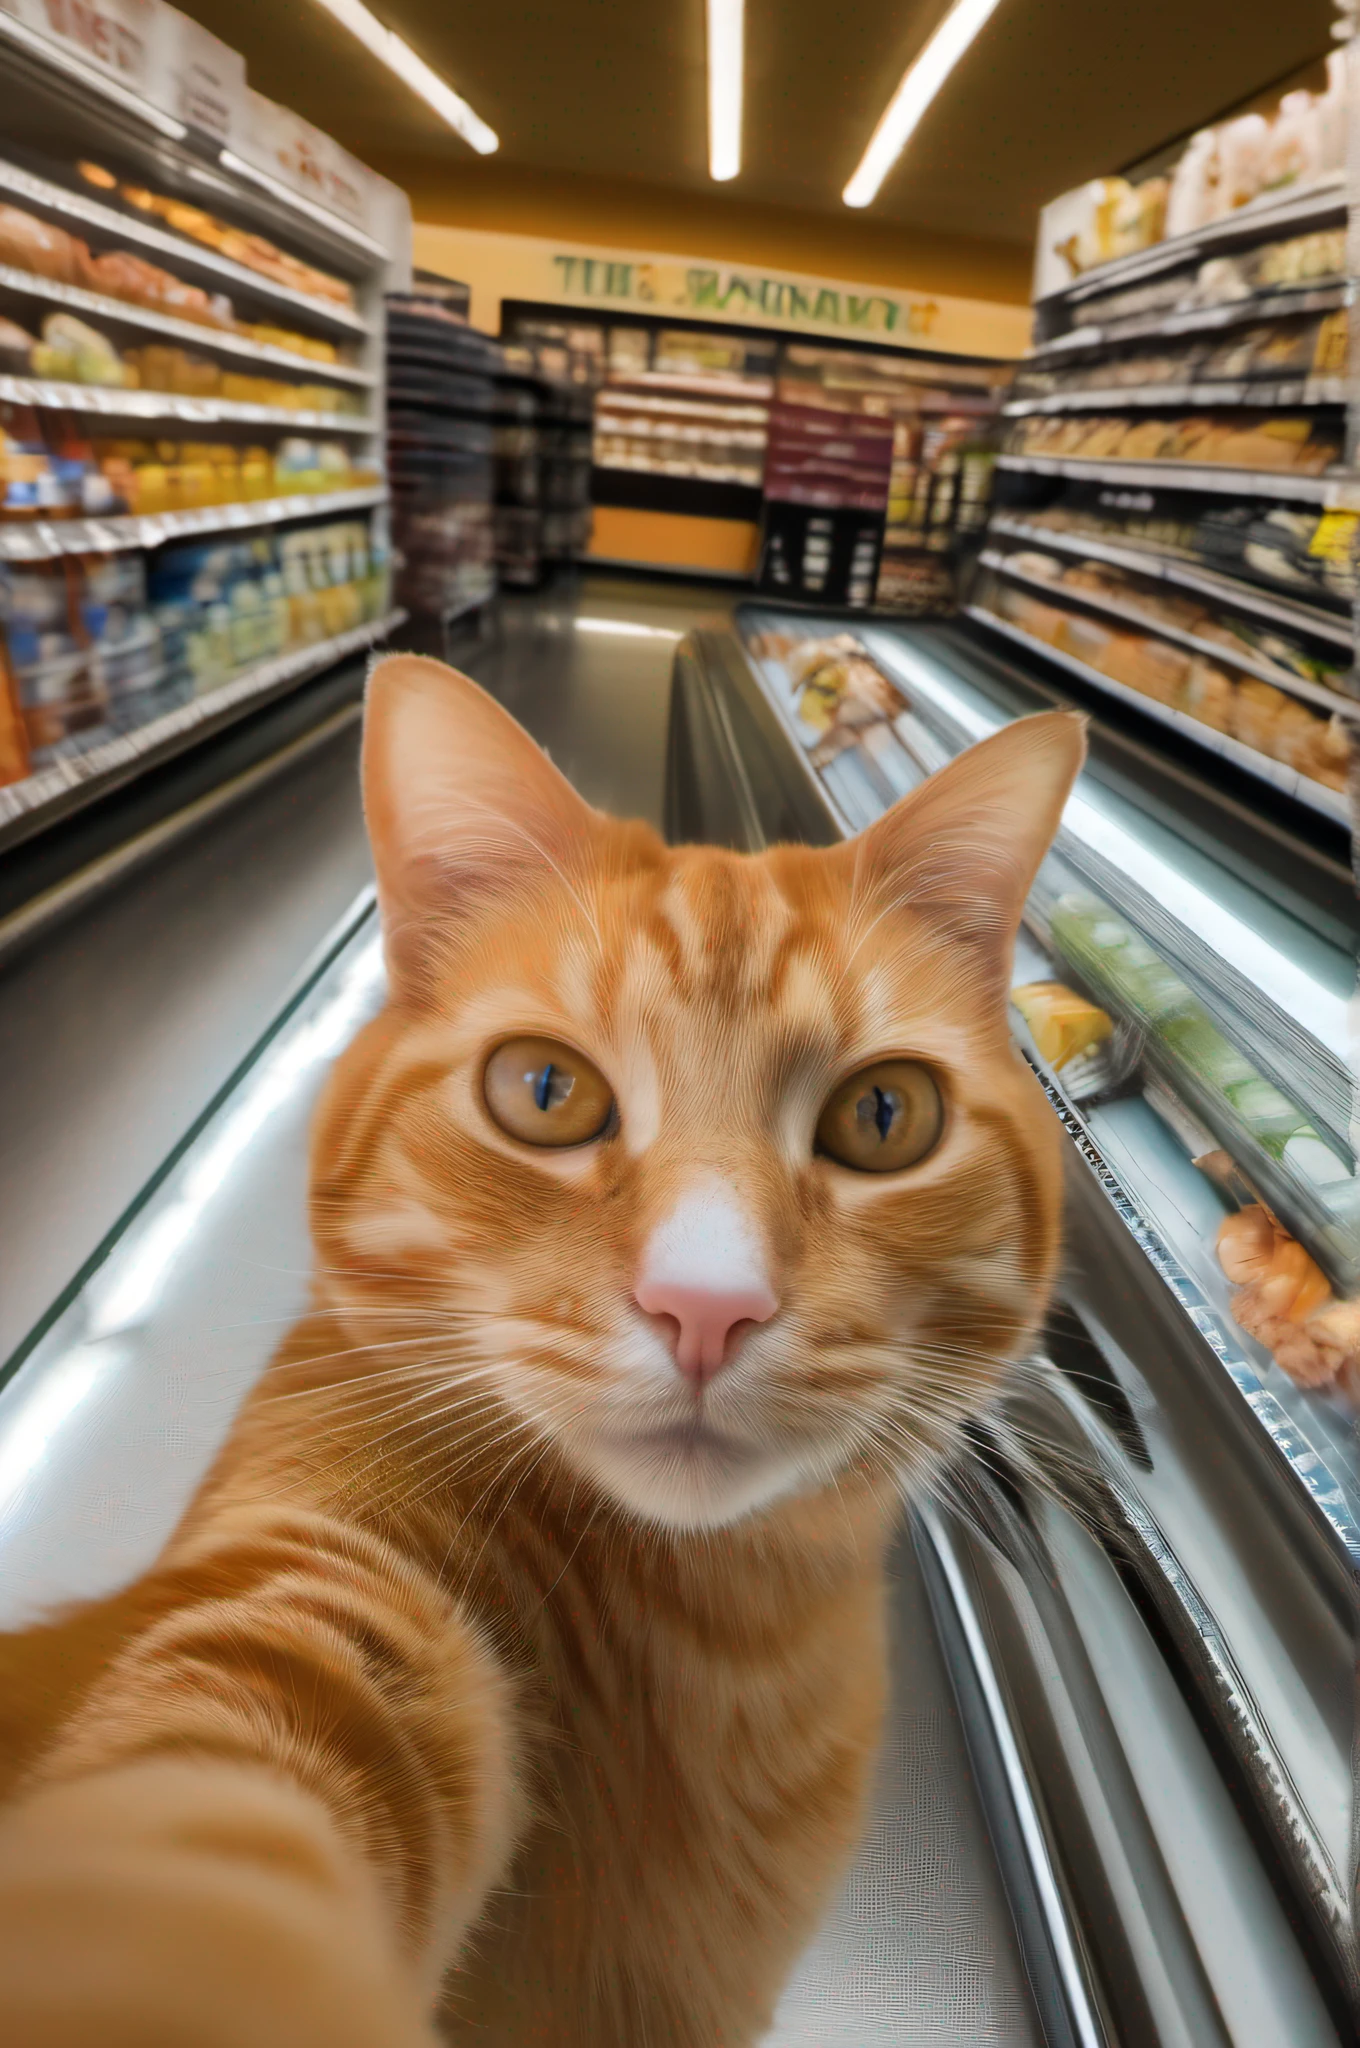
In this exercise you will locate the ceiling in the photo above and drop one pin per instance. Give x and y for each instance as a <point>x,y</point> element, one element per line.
<point>1052,92</point>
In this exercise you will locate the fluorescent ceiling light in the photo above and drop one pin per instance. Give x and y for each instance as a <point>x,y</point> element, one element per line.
<point>398,56</point>
<point>919,85</point>
<point>726,38</point>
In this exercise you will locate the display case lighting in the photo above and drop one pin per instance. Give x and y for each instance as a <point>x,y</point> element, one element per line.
<point>726,50</point>
<point>919,84</point>
<point>399,57</point>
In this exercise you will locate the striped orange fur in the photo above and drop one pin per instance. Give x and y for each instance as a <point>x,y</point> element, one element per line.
<point>505,1684</point>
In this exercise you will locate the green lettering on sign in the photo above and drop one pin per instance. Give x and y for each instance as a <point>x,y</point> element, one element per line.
<point>828,307</point>
<point>703,287</point>
<point>736,285</point>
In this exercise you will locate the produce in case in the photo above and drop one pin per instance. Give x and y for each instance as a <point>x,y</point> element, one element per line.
<point>1283,1299</point>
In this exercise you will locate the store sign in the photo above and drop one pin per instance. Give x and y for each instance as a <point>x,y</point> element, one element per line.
<point>152,49</point>
<point>197,78</point>
<point>753,297</point>
<point>114,35</point>
<point>498,267</point>
<point>307,161</point>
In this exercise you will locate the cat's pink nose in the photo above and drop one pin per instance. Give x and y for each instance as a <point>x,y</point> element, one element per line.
<point>705,1319</point>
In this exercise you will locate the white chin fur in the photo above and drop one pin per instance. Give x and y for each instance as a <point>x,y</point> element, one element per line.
<point>690,1488</point>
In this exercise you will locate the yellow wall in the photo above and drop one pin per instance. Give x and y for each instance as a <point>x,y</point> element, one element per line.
<point>511,199</point>
<point>603,280</point>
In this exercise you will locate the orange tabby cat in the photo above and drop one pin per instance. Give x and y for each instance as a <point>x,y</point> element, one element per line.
<point>516,1676</point>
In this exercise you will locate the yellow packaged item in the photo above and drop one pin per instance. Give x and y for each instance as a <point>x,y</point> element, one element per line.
<point>1063,1024</point>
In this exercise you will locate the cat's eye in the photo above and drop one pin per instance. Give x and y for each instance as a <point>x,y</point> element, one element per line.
<point>883,1118</point>
<point>546,1093</point>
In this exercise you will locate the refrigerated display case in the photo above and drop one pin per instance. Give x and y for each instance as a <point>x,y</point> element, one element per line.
<point>192,493</point>
<point>1179,1468</point>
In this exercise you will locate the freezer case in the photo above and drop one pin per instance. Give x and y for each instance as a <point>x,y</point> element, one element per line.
<point>1155,1539</point>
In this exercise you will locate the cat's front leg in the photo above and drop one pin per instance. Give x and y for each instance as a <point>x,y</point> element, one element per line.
<point>270,1822</point>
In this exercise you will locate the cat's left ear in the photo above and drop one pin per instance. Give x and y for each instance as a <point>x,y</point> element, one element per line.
<point>462,807</point>
<point>962,850</point>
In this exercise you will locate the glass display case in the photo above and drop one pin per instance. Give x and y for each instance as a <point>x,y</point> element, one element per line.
<point>1184,988</point>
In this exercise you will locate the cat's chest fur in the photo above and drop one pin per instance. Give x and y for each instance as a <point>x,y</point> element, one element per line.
<point>707,1719</point>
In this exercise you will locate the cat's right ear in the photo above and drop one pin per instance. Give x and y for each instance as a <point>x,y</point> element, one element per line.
<point>462,807</point>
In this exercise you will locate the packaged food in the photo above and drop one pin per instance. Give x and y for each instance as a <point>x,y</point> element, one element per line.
<point>30,244</point>
<point>27,488</point>
<point>60,696</point>
<point>1331,344</point>
<point>71,352</point>
<point>1302,259</point>
<point>1209,695</point>
<point>1029,562</point>
<point>253,251</point>
<point>1084,638</point>
<point>1192,195</point>
<point>1064,1025</point>
<point>1152,667</point>
<point>1283,1299</point>
<point>1243,154</point>
<point>16,349</point>
<point>14,754</point>
<point>1294,146</point>
<point>1256,714</point>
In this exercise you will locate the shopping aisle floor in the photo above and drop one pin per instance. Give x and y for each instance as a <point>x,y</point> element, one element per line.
<point>117,1028</point>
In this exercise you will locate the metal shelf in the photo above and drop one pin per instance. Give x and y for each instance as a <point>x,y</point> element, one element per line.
<point>54,61</point>
<point>1339,492</point>
<point>166,327</point>
<point>1167,569</point>
<point>1330,803</point>
<point>41,799</point>
<point>1287,303</point>
<point>1293,686</point>
<point>111,402</point>
<point>1263,217</point>
<point>176,249</point>
<point>1292,395</point>
<point>45,538</point>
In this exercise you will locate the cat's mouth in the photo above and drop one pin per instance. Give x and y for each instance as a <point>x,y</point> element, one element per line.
<point>693,1440</point>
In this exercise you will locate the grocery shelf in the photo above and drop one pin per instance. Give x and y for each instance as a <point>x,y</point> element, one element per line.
<point>1288,303</point>
<point>1340,492</point>
<point>643,381</point>
<point>1089,600</point>
<point>701,472</point>
<point>1330,803</point>
<point>109,402</point>
<point>52,58</point>
<point>177,250</point>
<point>644,407</point>
<point>166,327</point>
<point>42,539</point>
<point>53,792</point>
<point>1187,576</point>
<point>1295,393</point>
<point>1297,211</point>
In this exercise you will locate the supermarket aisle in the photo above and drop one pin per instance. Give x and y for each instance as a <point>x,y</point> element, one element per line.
<point>117,1029</point>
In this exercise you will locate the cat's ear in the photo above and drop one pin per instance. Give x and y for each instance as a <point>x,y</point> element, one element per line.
<point>462,807</point>
<point>964,848</point>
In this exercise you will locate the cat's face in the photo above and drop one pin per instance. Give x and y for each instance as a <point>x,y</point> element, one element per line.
<point>722,1165</point>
